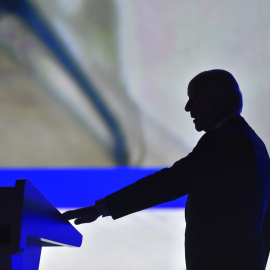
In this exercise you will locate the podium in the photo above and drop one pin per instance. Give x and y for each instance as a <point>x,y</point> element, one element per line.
<point>28,222</point>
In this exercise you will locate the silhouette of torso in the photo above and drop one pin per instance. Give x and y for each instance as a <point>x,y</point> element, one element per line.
<point>227,179</point>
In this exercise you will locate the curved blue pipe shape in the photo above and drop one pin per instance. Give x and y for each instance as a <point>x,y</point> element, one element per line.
<point>30,15</point>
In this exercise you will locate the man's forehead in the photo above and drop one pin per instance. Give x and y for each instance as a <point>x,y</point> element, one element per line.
<point>195,91</point>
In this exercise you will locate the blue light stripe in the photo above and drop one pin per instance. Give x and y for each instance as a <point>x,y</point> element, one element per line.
<point>78,187</point>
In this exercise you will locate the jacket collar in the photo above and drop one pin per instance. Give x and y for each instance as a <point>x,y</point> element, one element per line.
<point>225,120</point>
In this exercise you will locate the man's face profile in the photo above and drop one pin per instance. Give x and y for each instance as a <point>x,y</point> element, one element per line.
<point>196,107</point>
<point>201,108</point>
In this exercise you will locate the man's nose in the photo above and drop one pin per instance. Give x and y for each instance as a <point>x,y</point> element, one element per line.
<point>187,107</point>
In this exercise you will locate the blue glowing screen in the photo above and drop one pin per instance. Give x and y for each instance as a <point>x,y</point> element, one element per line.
<point>78,187</point>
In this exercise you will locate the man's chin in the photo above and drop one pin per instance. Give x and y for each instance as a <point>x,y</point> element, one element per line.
<point>198,127</point>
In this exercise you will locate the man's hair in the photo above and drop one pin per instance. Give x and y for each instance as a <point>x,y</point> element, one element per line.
<point>221,83</point>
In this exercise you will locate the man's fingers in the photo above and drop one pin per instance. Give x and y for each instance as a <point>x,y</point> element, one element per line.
<point>85,219</point>
<point>81,220</point>
<point>78,213</point>
<point>71,214</point>
<point>82,215</point>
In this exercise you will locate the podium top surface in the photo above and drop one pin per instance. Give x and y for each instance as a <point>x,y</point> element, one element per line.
<point>26,213</point>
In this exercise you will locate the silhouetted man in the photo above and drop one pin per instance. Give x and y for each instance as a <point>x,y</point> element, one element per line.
<point>226,177</point>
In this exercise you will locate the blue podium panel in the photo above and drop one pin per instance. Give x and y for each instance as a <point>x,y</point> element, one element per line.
<point>28,222</point>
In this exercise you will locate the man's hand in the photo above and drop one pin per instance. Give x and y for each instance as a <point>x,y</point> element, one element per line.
<point>82,215</point>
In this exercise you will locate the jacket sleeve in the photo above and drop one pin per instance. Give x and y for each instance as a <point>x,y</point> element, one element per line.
<point>186,175</point>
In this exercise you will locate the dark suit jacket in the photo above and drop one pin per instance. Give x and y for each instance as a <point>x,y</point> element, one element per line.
<point>227,179</point>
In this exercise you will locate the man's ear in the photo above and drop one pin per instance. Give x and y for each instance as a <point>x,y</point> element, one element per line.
<point>220,105</point>
<point>221,100</point>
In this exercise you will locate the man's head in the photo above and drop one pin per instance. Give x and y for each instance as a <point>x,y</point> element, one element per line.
<point>212,95</point>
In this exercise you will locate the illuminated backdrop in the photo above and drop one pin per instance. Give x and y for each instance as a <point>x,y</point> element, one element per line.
<point>139,57</point>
